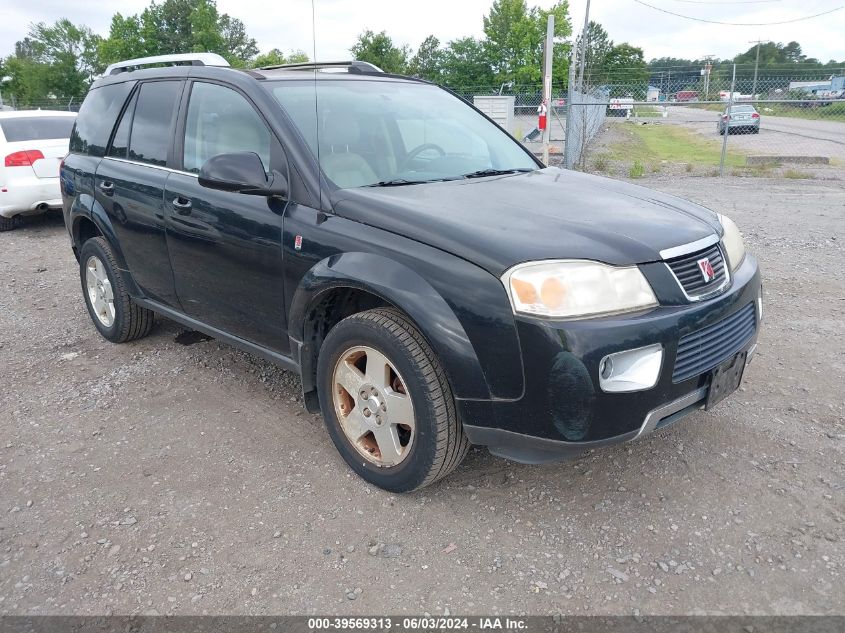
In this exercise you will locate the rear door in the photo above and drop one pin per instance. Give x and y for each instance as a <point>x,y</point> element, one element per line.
<point>226,248</point>
<point>130,184</point>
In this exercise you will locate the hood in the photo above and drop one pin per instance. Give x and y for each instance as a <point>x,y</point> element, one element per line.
<point>500,221</point>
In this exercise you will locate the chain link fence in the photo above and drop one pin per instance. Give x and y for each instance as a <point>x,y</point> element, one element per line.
<point>64,105</point>
<point>779,125</point>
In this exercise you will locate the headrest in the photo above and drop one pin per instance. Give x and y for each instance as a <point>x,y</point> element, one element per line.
<point>340,129</point>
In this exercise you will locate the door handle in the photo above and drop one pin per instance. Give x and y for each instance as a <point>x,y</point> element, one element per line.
<point>181,205</point>
<point>106,186</point>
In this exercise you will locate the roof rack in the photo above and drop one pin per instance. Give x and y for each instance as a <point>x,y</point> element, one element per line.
<point>355,67</point>
<point>194,59</point>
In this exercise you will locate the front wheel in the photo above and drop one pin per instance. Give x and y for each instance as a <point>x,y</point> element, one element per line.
<point>387,403</point>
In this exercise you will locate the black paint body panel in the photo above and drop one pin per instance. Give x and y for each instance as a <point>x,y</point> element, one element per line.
<point>251,270</point>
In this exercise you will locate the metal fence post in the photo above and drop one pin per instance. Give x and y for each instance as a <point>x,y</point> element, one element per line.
<point>727,125</point>
<point>569,138</point>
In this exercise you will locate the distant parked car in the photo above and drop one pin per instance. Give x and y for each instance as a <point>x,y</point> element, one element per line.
<point>744,119</point>
<point>32,144</point>
<point>686,95</point>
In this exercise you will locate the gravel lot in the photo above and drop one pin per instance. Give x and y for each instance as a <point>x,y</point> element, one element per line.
<point>158,477</point>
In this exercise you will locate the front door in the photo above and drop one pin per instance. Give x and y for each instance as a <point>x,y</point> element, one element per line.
<point>226,248</point>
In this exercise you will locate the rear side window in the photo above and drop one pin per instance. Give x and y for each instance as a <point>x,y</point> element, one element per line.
<point>120,142</point>
<point>151,135</point>
<point>36,128</point>
<point>97,117</point>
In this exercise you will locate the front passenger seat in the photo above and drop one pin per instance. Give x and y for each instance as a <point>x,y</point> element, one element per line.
<point>344,167</point>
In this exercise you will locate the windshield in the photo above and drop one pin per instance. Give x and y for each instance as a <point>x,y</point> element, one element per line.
<point>396,132</point>
<point>742,108</point>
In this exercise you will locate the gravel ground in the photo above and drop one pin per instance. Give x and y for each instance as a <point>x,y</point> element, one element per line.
<point>159,477</point>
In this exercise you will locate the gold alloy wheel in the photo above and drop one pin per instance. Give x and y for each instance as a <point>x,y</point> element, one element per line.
<point>373,406</point>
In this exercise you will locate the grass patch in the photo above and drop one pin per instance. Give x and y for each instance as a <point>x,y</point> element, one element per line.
<point>601,164</point>
<point>797,174</point>
<point>637,170</point>
<point>670,143</point>
<point>648,112</point>
<point>833,112</point>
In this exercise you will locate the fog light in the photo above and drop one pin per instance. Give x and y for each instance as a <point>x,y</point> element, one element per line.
<point>760,307</point>
<point>631,370</point>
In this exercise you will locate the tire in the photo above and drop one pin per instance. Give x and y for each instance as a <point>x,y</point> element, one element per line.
<point>7,224</point>
<point>125,320</point>
<point>436,442</point>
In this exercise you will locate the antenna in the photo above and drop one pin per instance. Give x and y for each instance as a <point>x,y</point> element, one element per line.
<point>316,108</point>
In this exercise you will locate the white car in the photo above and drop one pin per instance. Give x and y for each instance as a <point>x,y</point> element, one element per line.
<point>32,145</point>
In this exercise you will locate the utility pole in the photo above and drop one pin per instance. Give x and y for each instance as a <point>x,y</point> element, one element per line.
<point>547,83</point>
<point>583,53</point>
<point>756,65</point>
<point>727,126</point>
<point>706,72</point>
<point>569,144</point>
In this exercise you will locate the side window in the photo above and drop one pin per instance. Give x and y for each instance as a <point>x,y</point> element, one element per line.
<point>120,142</point>
<point>150,137</point>
<point>220,121</point>
<point>97,117</point>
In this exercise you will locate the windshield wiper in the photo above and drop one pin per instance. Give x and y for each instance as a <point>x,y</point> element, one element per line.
<point>399,182</point>
<point>396,182</point>
<point>497,172</point>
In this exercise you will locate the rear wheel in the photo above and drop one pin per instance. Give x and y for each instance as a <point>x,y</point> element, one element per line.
<point>7,224</point>
<point>111,308</point>
<point>387,403</point>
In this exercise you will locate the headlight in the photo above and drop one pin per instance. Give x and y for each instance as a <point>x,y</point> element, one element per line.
<point>732,242</point>
<point>567,289</point>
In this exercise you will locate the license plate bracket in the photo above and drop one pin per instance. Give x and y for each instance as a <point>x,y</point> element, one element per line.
<point>725,379</point>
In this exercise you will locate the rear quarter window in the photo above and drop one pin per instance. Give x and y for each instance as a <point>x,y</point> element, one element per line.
<point>97,117</point>
<point>36,128</point>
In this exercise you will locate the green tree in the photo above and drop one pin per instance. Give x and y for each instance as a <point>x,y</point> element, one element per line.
<point>275,57</point>
<point>62,58</point>
<point>125,40</point>
<point>178,26</point>
<point>379,49</point>
<point>465,64</point>
<point>625,67</point>
<point>515,38</point>
<point>427,63</point>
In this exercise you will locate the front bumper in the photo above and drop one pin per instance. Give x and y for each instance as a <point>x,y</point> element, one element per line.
<point>563,410</point>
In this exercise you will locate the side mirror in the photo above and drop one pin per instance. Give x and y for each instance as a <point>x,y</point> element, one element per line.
<point>241,172</point>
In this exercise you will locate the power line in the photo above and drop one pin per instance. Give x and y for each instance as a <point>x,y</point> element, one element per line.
<point>689,17</point>
<point>726,1</point>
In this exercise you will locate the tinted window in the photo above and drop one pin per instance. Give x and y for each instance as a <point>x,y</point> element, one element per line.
<point>368,131</point>
<point>120,142</point>
<point>97,117</point>
<point>150,137</point>
<point>221,121</point>
<point>36,128</point>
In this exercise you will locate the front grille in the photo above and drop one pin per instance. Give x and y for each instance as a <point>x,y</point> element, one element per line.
<point>707,348</point>
<point>689,274</point>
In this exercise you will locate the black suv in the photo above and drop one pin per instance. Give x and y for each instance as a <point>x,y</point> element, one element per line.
<point>432,282</point>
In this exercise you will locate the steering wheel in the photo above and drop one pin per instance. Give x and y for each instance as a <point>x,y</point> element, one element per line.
<point>419,149</point>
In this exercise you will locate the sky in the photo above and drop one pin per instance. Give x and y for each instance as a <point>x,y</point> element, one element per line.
<point>287,24</point>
